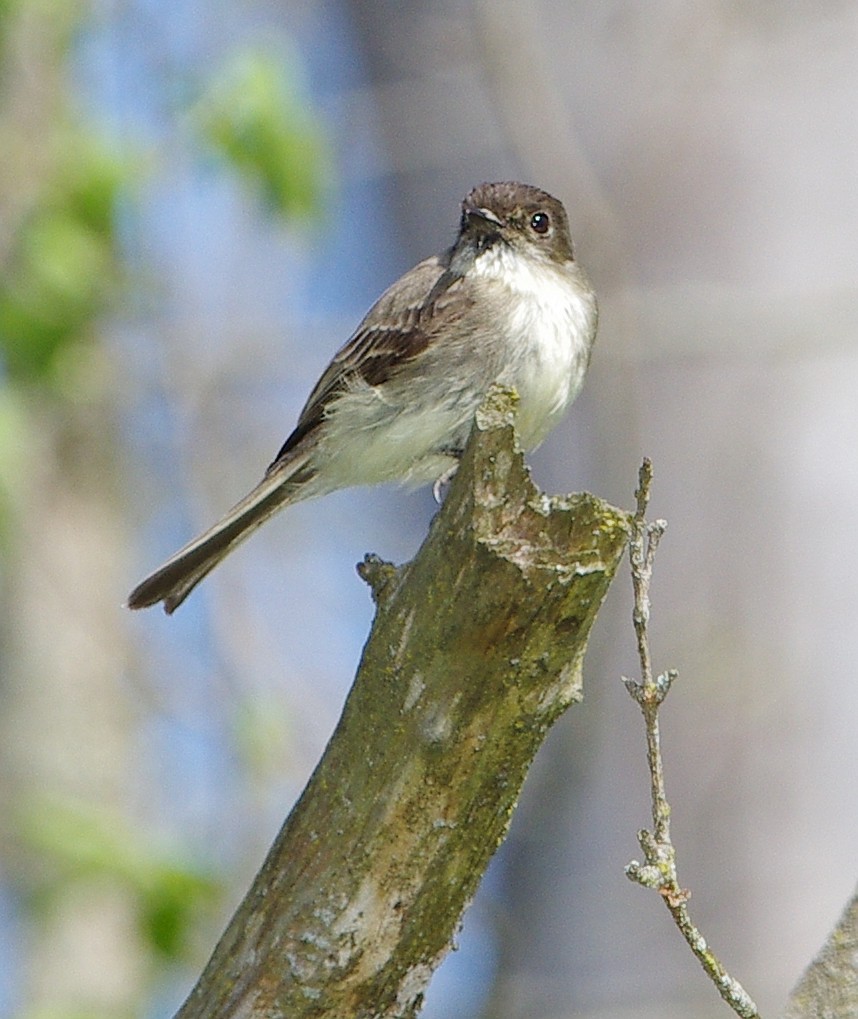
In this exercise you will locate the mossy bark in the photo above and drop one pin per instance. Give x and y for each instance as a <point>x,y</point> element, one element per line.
<point>475,650</point>
<point>828,988</point>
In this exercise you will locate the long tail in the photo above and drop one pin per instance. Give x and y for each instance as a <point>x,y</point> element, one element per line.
<point>181,573</point>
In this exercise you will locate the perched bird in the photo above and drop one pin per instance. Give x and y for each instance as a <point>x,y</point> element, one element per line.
<point>506,303</point>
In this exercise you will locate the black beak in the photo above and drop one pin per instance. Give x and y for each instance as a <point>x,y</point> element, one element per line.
<point>483,219</point>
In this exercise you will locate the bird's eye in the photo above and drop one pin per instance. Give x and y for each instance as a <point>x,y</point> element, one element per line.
<point>540,222</point>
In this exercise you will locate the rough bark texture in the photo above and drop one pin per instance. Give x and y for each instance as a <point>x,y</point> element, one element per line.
<point>476,649</point>
<point>829,987</point>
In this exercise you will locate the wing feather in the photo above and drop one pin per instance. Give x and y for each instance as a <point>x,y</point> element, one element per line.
<point>397,328</point>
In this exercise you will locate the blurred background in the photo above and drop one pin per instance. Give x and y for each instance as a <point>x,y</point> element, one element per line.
<point>198,201</point>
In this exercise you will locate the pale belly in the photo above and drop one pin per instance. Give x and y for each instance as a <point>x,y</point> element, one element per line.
<point>554,346</point>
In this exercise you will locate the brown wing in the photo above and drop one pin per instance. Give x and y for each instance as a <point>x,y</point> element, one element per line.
<point>394,331</point>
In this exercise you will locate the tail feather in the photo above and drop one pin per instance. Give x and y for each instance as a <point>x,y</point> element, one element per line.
<point>180,574</point>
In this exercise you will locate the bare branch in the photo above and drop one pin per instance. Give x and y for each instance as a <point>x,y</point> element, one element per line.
<point>659,869</point>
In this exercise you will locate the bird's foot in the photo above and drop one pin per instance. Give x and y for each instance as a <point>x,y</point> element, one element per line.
<point>439,489</point>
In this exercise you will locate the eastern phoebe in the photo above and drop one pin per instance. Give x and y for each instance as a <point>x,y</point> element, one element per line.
<point>506,303</point>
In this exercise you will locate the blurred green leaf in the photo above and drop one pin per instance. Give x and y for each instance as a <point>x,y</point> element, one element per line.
<point>63,265</point>
<point>255,117</point>
<point>92,176</point>
<point>77,844</point>
<point>15,449</point>
<point>52,293</point>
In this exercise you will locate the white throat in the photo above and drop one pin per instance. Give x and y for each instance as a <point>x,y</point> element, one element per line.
<point>551,326</point>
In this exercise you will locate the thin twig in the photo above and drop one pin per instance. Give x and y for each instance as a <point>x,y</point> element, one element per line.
<point>659,869</point>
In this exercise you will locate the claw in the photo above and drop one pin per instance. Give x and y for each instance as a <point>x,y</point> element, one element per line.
<point>442,482</point>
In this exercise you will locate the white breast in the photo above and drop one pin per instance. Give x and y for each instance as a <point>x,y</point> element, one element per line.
<point>552,323</point>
